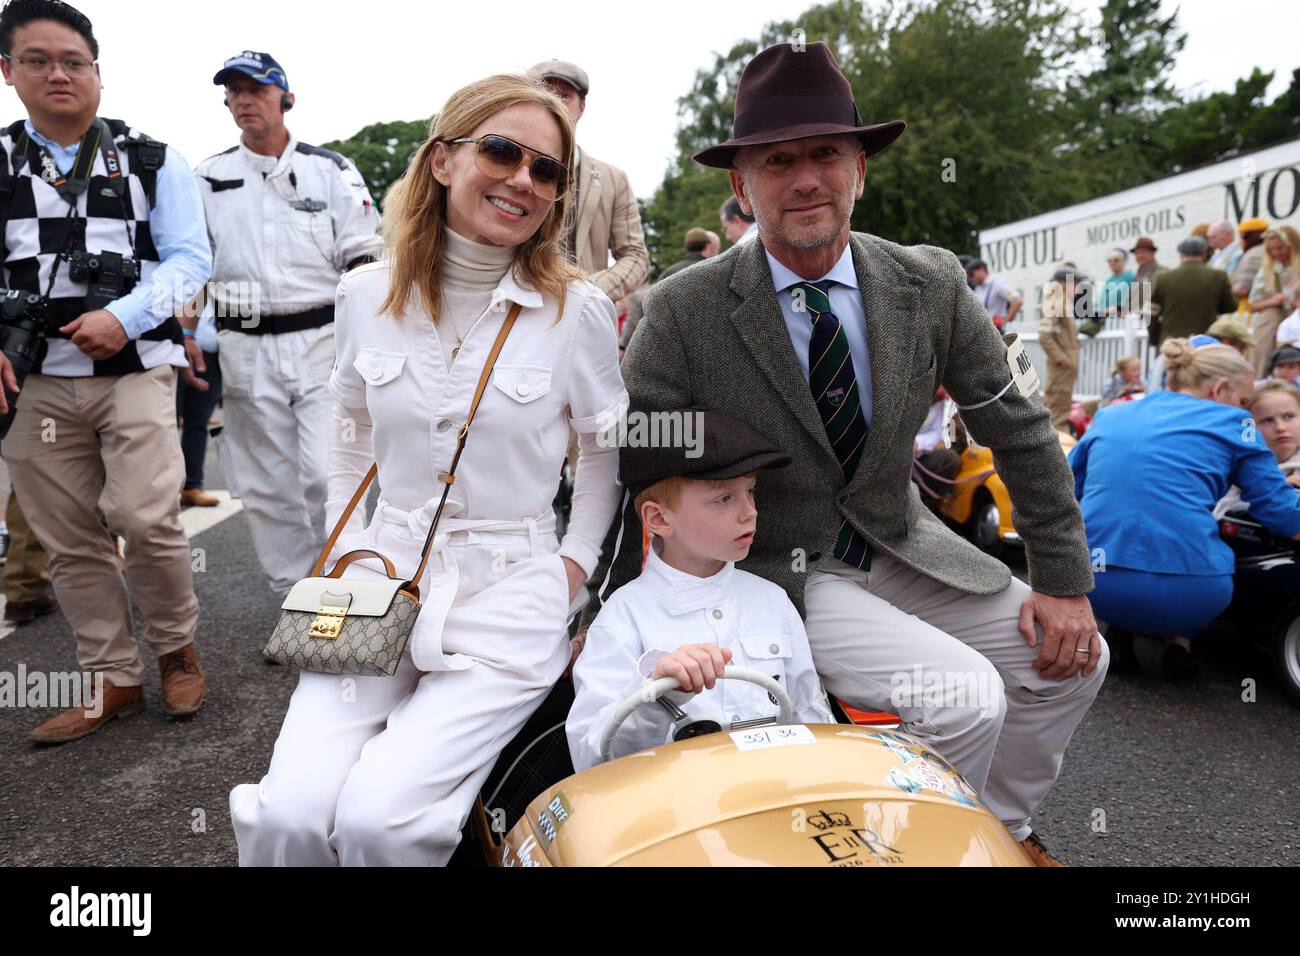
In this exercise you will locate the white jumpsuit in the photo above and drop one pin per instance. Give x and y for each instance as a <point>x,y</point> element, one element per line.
<point>384,770</point>
<point>283,228</point>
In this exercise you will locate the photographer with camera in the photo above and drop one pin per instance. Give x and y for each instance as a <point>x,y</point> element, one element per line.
<point>104,242</point>
<point>285,219</point>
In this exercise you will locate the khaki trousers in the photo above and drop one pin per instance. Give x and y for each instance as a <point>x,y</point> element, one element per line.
<point>1058,394</point>
<point>1264,328</point>
<point>82,447</point>
<point>27,574</point>
<point>957,671</point>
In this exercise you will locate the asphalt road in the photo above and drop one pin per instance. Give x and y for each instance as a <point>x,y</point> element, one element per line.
<point>1158,774</point>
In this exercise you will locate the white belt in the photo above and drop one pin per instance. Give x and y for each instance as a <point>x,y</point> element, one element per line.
<point>418,522</point>
<point>444,570</point>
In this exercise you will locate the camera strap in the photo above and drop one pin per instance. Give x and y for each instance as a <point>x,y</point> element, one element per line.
<point>71,185</point>
<point>112,165</point>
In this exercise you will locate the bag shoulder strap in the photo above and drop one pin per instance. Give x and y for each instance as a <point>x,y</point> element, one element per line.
<point>448,479</point>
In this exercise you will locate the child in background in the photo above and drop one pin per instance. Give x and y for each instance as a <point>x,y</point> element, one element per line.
<point>1285,366</point>
<point>1276,410</point>
<point>1125,380</point>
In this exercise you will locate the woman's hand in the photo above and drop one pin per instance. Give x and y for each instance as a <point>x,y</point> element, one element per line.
<point>577,577</point>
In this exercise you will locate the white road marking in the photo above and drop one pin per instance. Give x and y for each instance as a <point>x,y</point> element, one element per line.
<point>198,520</point>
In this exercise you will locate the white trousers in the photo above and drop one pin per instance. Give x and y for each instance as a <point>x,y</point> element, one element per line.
<point>274,446</point>
<point>957,671</point>
<point>383,771</point>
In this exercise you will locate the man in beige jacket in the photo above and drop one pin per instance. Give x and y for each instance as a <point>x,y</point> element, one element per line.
<point>608,219</point>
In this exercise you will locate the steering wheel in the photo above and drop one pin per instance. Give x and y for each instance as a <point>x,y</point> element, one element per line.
<point>663,685</point>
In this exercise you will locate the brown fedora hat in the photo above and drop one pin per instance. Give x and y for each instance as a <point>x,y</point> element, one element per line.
<point>787,94</point>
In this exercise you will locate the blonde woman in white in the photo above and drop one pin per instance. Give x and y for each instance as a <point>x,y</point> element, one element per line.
<point>383,770</point>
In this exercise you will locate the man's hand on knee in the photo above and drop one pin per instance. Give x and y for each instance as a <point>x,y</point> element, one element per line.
<point>1071,643</point>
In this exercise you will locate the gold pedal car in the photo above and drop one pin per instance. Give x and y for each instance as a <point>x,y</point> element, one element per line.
<point>779,794</point>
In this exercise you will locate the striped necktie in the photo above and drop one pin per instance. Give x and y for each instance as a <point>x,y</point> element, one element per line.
<point>835,390</point>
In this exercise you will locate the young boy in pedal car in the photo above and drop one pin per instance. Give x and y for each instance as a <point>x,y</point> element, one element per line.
<point>692,612</point>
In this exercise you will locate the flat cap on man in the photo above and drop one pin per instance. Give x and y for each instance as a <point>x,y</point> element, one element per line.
<point>1230,328</point>
<point>1286,355</point>
<point>570,73</point>
<point>707,445</point>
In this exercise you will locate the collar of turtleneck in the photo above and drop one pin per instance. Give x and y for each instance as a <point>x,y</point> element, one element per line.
<point>473,265</point>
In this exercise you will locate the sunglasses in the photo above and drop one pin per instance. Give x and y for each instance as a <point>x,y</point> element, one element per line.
<point>499,157</point>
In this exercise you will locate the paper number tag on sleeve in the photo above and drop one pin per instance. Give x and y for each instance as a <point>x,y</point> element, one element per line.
<point>1022,370</point>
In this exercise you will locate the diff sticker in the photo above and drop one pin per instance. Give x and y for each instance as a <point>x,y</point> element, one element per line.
<point>904,781</point>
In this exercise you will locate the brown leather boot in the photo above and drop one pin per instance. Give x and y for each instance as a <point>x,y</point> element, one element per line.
<point>24,612</point>
<point>1038,852</point>
<point>198,498</point>
<point>76,722</point>
<point>183,683</point>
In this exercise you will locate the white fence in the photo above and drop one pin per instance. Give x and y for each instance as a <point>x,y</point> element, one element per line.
<point>1121,336</point>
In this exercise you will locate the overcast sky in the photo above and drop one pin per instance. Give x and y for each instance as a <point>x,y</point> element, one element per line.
<point>355,63</point>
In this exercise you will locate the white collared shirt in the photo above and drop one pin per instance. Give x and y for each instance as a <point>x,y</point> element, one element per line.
<point>846,303</point>
<point>664,609</point>
<point>290,224</point>
<point>750,232</point>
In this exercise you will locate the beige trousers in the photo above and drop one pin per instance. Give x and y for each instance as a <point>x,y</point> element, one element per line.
<point>26,575</point>
<point>1058,394</point>
<point>1264,327</point>
<point>955,668</point>
<point>82,447</point>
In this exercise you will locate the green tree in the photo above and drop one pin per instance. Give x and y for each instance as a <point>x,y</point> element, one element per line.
<point>1118,102</point>
<point>1223,124</point>
<point>382,151</point>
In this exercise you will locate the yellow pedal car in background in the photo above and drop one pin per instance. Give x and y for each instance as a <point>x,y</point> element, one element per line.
<point>979,505</point>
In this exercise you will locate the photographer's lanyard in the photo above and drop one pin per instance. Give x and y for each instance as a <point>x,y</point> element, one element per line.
<point>97,140</point>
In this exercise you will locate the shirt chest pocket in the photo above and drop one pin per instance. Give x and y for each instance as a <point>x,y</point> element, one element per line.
<point>308,238</point>
<point>378,367</point>
<point>767,651</point>
<point>522,383</point>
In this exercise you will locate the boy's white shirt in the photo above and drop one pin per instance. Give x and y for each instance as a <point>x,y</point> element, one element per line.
<point>660,611</point>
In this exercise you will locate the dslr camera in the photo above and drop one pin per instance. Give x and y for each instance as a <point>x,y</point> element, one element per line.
<point>110,276</point>
<point>22,341</point>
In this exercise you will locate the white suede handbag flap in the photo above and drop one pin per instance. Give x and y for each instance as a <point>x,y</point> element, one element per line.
<point>360,598</point>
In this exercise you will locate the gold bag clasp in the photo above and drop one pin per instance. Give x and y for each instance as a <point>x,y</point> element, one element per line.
<point>331,617</point>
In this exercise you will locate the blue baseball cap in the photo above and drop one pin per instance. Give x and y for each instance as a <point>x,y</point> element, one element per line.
<point>260,66</point>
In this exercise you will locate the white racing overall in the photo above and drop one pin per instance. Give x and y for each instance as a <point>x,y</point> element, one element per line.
<point>384,770</point>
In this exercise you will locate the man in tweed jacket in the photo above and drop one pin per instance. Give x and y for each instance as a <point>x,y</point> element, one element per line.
<point>994,675</point>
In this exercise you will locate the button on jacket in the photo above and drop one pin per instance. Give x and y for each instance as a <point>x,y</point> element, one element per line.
<point>290,223</point>
<point>664,609</point>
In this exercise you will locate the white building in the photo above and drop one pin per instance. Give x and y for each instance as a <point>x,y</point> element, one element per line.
<point>1024,254</point>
